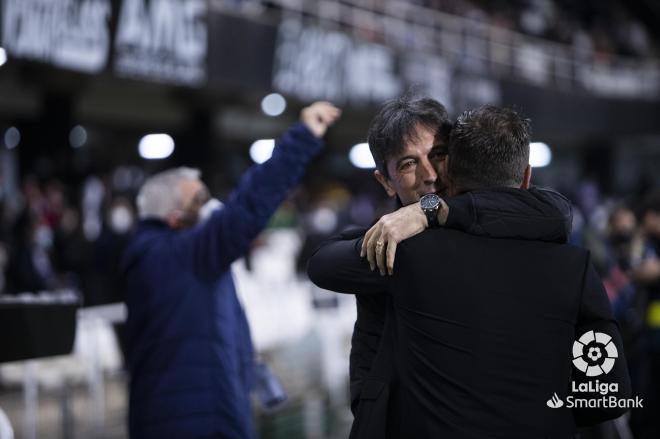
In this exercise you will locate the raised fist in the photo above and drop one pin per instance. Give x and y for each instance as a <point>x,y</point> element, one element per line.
<point>319,116</point>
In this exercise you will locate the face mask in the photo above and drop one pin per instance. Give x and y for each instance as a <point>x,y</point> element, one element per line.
<point>208,208</point>
<point>121,219</point>
<point>619,238</point>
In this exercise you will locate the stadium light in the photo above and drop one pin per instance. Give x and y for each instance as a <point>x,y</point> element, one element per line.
<point>156,146</point>
<point>262,150</point>
<point>539,154</point>
<point>273,105</point>
<point>12,137</point>
<point>77,136</point>
<point>360,156</point>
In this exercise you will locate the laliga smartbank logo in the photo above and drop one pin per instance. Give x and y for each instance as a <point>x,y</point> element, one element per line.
<point>594,354</point>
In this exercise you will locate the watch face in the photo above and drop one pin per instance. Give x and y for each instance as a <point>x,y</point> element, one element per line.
<point>429,201</point>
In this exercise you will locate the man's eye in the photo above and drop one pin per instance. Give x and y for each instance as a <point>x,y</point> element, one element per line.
<point>406,165</point>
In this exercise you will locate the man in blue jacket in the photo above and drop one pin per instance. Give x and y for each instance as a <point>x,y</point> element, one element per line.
<point>189,349</point>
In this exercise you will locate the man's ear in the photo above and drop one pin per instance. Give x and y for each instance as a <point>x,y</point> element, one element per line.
<point>527,177</point>
<point>385,183</point>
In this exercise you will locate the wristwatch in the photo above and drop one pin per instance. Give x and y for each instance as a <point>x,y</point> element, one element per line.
<point>430,204</point>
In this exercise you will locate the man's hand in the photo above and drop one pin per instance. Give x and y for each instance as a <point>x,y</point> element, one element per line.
<point>379,243</point>
<point>319,116</point>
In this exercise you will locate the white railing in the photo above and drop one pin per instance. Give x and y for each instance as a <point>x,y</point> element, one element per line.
<point>472,45</point>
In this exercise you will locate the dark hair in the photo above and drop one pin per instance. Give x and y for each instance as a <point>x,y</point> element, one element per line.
<point>396,122</point>
<point>488,147</point>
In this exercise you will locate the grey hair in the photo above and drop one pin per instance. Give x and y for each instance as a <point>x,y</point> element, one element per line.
<point>160,193</point>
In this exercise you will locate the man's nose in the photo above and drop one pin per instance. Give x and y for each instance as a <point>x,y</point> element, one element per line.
<point>428,172</point>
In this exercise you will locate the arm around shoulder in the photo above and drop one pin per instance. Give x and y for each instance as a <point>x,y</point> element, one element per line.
<point>337,266</point>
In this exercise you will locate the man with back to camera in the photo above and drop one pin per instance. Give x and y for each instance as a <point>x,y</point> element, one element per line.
<point>456,375</point>
<point>408,139</point>
<point>189,349</point>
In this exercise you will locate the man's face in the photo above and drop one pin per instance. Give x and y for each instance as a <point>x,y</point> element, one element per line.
<point>651,223</point>
<point>623,223</point>
<point>415,170</point>
<point>194,194</point>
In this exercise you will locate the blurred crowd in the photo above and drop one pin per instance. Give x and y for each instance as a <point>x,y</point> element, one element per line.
<point>598,27</point>
<point>594,28</point>
<point>57,236</point>
<point>623,236</point>
<point>53,235</point>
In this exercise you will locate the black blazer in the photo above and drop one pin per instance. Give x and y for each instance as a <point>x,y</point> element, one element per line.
<point>481,336</point>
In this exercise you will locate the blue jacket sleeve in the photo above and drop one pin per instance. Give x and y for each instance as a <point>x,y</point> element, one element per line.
<point>212,246</point>
<point>536,213</point>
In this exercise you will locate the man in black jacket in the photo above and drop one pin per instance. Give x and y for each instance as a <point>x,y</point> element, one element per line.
<point>464,326</point>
